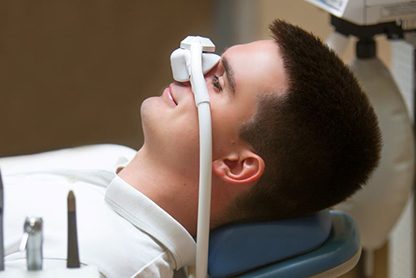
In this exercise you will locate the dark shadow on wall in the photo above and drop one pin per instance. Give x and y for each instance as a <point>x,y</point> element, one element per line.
<point>75,72</point>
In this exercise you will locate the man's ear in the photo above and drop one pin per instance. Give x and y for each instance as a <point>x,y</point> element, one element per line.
<point>239,168</point>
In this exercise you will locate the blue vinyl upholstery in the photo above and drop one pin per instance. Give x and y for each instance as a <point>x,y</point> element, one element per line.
<point>339,248</point>
<point>238,248</point>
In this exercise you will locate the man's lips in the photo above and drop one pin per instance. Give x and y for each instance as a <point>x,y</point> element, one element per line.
<point>167,93</point>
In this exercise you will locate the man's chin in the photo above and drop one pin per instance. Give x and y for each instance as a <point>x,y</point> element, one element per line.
<point>148,105</point>
<point>150,114</point>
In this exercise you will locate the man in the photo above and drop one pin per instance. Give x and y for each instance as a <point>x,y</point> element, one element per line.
<point>292,134</point>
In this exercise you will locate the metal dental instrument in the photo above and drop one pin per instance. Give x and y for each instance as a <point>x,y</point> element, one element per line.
<point>32,241</point>
<point>1,224</point>
<point>72,260</point>
<point>190,63</point>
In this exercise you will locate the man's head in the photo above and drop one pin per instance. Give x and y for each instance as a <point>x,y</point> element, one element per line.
<point>244,73</point>
<point>170,124</point>
<point>320,141</point>
<point>292,131</point>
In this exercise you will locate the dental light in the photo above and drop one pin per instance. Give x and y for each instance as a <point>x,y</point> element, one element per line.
<point>190,63</point>
<point>390,185</point>
<point>369,12</point>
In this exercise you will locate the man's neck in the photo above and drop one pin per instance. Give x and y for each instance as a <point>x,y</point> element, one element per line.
<point>176,194</point>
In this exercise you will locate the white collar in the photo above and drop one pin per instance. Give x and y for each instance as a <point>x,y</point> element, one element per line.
<point>146,215</point>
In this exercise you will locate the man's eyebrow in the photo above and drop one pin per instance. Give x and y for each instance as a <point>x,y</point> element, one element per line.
<point>229,73</point>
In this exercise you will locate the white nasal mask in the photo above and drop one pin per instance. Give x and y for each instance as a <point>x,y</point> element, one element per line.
<point>180,59</point>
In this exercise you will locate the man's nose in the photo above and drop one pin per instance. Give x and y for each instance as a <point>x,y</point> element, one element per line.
<point>187,86</point>
<point>208,77</point>
<point>183,87</point>
<point>183,84</point>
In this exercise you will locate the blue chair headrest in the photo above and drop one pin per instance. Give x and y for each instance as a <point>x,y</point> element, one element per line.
<point>236,248</point>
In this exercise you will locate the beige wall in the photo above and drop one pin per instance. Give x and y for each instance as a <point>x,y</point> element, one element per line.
<point>74,72</point>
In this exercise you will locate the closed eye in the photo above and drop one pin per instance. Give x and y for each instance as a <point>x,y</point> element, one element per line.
<point>216,83</point>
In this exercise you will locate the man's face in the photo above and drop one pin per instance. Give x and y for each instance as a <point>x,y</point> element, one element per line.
<point>170,121</point>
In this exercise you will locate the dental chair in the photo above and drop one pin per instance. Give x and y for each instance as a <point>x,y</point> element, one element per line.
<point>325,244</point>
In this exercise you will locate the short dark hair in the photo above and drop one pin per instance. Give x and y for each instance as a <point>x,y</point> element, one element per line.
<point>320,140</point>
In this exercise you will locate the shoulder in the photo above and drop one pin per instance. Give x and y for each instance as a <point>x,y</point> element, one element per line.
<point>160,266</point>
